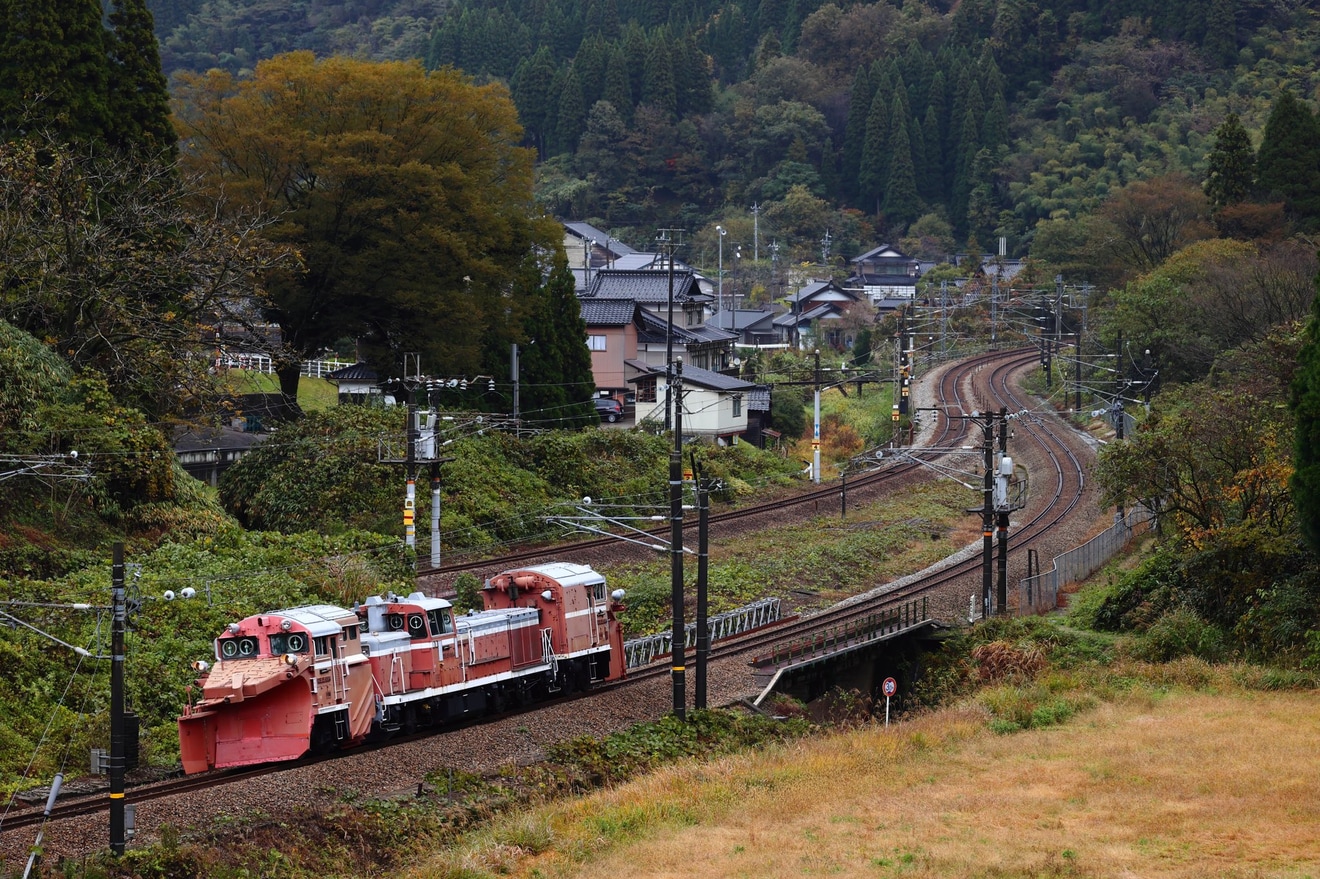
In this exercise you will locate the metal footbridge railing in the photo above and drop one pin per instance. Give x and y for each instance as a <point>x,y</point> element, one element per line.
<point>642,651</point>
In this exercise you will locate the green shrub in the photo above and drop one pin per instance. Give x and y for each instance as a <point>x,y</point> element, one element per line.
<point>1181,632</point>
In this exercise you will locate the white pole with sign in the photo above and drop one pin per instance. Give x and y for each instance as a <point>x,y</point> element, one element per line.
<point>890,687</point>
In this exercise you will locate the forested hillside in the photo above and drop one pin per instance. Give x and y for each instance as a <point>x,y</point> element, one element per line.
<point>973,120</point>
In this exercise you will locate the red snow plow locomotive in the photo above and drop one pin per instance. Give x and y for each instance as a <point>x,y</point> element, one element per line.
<point>319,677</point>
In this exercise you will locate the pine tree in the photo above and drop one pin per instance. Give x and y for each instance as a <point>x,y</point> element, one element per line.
<point>658,78</point>
<point>139,95</point>
<point>555,367</point>
<point>54,69</point>
<point>854,132</point>
<point>617,90</point>
<point>531,90</point>
<point>901,204</point>
<point>874,171</point>
<point>931,183</point>
<point>1288,162</point>
<point>572,114</point>
<point>1231,164</point>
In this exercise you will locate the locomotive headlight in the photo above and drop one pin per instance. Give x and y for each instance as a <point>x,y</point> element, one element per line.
<point>200,665</point>
<point>169,595</point>
<point>618,594</point>
<point>548,595</point>
<point>290,659</point>
<point>286,625</point>
<point>233,628</point>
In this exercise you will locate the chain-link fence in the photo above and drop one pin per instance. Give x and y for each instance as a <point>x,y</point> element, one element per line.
<point>1040,593</point>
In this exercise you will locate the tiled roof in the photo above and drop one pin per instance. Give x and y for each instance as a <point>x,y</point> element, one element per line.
<point>703,378</point>
<point>588,232</point>
<point>641,285</point>
<point>607,312</point>
<point>358,372</point>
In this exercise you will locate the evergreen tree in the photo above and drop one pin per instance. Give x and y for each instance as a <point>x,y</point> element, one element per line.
<point>139,95</point>
<point>917,141</point>
<point>968,147</point>
<point>531,90</point>
<point>1288,162</point>
<point>994,130</point>
<point>592,57</point>
<point>1231,164</point>
<point>617,89</point>
<point>572,114</point>
<point>854,132</point>
<point>901,204</point>
<point>1305,405</point>
<point>634,53</point>
<point>1220,42</point>
<point>874,171</point>
<point>658,79</point>
<point>931,183</point>
<point>55,69</point>
<point>555,366</point>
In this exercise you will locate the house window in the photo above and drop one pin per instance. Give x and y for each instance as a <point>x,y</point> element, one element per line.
<point>646,391</point>
<point>737,405</point>
<point>595,343</point>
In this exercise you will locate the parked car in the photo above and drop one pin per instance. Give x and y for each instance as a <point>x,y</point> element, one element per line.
<point>608,408</point>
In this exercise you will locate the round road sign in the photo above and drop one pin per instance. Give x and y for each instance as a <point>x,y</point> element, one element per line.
<point>890,686</point>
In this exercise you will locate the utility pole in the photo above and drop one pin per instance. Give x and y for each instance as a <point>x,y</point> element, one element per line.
<point>513,377</point>
<point>118,623</point>
<point>678,655</point>
<point>988,513</point>
<point>1002,509</point>
<point>703,546</point>
<point>667,245</point>
<point>756,231</point>
<point>410,494</point>
<point>815,436</point>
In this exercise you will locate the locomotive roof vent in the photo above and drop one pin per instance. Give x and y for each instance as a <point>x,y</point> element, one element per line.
<point>416,596</point>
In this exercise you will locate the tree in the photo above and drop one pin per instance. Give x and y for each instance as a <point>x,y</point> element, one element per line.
<point>901,204</point>
<point>555,364</point>
<point>139,96</point>
<point>1288,163</point>
<point>1304,402</point>
<point>1153,218</point>
<point>54,69</point>
<point>572,113</point>
<point>1231,164</point>
<point>404,193</point>
<point>102,257</point>
<point>859,106</point>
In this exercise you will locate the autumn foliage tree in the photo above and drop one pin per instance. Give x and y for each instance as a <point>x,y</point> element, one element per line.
<point>404,193</point>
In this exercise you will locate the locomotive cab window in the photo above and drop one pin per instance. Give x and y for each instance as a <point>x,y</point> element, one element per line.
<point>352,632</point>
<point>325,646</point>
<point>441,624</point>
<point>598,592</point>
<point>290,642</point>
<point>416,626</point>
<point>239,648</point>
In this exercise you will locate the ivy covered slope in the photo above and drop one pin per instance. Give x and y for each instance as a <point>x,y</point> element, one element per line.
<point>988,116</point>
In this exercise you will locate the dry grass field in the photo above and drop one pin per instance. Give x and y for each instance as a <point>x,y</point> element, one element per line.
<point>1158,779</point>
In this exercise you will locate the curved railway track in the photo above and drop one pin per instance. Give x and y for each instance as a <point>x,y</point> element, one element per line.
<point>972,384</point>
<point>948,432</point>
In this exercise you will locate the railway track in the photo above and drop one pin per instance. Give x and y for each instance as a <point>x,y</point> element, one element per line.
<point>979,383</point>
<point>728,523</point>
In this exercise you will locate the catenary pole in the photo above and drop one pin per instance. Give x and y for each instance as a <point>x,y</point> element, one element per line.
<point>676,547</point>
